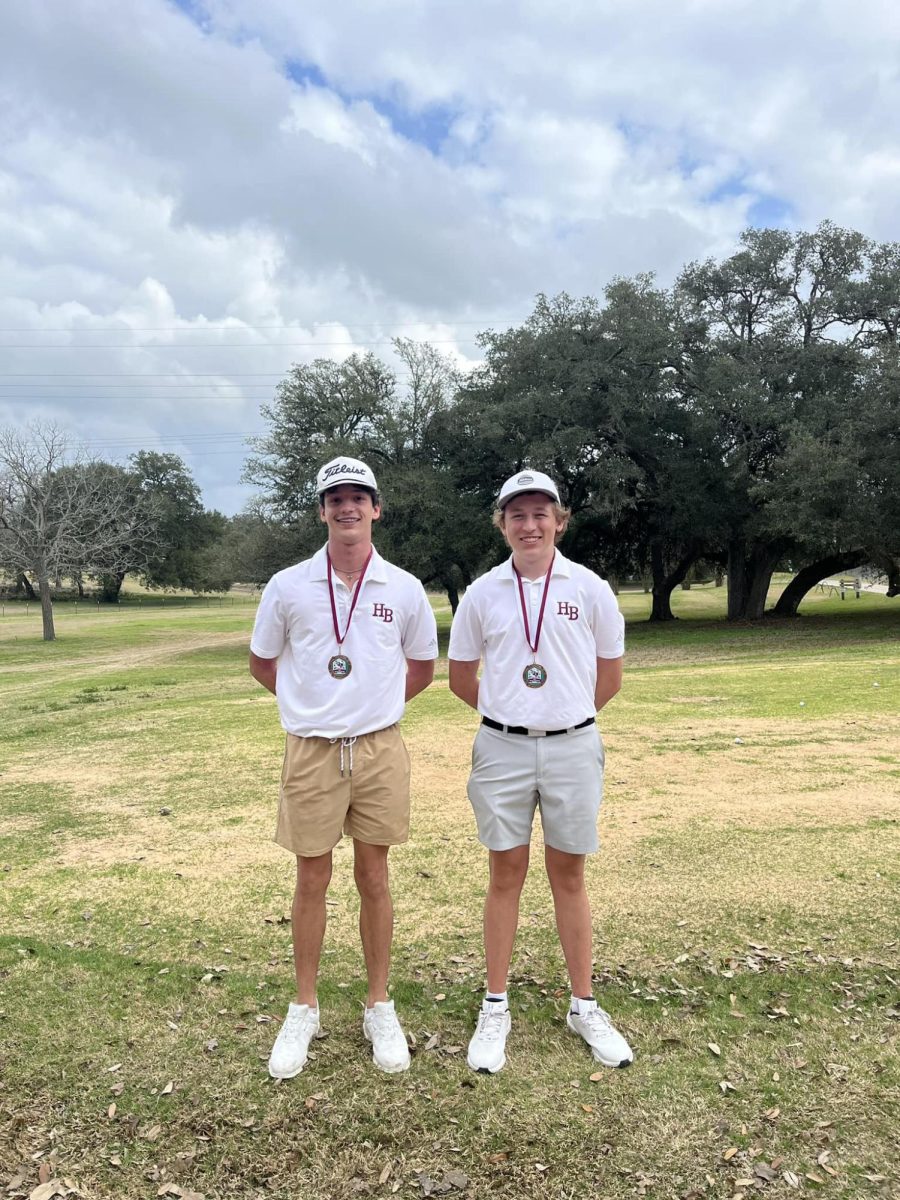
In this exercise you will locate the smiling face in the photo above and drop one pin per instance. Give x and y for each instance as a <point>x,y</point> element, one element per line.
<point>349,511</point>
<point>530,525</point>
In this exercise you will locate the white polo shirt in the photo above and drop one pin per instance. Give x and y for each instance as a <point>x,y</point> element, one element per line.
<point>392,622</point>
<point>582,623</point>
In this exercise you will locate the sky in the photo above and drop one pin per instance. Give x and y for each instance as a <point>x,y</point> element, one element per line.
<point>194,196</point>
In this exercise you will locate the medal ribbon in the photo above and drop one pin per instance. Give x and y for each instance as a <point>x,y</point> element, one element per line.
<point>334,618</point>
<point>537,632</point>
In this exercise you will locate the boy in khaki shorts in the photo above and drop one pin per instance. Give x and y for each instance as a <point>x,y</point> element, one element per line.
<point>550,636</point>
<point>343,640</point>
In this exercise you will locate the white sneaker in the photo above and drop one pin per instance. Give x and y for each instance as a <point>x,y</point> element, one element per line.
<point>288,1055</point>
<point>487,1049</point>
<point>389,1049</point>
<point>606,1043</point>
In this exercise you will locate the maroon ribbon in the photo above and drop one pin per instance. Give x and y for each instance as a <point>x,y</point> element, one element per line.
<point>334,618</point>
<point>537,634</point>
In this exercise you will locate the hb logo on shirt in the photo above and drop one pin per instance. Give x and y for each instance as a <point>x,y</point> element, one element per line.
<point>382,612</point>
<point>565,609</point>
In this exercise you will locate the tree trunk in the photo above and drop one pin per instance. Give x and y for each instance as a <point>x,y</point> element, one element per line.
<point>111,585</point>
<point>749,576</point>
<point>720,576</point>
<point>46,609</point>
<point>665,583</point>
<point>789,600</point>
<point>24,583</point>
<point>452,595</point>
<point>891,568</point>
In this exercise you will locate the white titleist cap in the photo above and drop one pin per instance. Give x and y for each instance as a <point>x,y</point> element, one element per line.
<point>345,470</point>
<point>527,481</point>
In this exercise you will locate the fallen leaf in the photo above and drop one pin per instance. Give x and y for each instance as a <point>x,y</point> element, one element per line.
<point>111,1111</point>
<point>456,1179</point>
<point>45,1172</point>
<point>727,1086</point>
<point>440,996</point>
<point>730,1153</point>
<point>114,1067</point>
<point>385,1173</point>
<point>433,1041</point>
<point>153,1133</point>
<point>540,1167</point>
<point>714,1049</point>
<point>762,1170</point>
<point>499,1157</point>
<point>596,1077</point>
<point>588,1108</point>
<point>791,1179</point>
<point>115,1161</point>
<point>45,1190</point>
<point>772,1114</point>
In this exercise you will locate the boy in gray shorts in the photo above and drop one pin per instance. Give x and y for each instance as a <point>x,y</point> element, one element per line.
<point>550,637</point>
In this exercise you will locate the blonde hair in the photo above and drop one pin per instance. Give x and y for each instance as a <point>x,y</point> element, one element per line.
<point>562,515</point>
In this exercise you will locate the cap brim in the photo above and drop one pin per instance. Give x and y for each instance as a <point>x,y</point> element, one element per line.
<point>524,491</point>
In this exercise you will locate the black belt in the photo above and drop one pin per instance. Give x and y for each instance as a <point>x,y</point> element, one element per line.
<point>535,732</point>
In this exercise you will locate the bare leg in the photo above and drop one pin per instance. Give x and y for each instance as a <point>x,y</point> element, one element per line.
<point>573,915</point>
<point>501,912</point>
<point>308,922</point>
<point>376,915</point>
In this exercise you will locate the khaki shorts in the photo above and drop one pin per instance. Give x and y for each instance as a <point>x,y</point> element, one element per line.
<point>369,801</point>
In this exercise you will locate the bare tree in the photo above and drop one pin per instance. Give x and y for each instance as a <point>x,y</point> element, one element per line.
<point>62,513</point>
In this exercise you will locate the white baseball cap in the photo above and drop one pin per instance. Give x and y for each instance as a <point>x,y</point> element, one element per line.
<point>527,481</point>
<point>345,470</point>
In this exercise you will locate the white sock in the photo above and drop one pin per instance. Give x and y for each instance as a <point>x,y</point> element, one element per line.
<point>581,1004</point>
<point>500,999</point>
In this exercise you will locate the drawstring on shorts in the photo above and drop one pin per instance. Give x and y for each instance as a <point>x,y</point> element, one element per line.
<point>346,744</point>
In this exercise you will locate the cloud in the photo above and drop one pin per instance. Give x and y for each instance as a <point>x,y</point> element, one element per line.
<point>189,188</point>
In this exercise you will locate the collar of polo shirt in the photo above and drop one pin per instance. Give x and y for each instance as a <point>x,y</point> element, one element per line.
<point>318,566</point>
<point>561,566</point>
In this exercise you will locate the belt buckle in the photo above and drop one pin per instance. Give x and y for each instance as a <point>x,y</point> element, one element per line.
<point>537,732</point>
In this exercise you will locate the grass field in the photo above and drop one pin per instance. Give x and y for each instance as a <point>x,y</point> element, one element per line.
<point>745,904</point>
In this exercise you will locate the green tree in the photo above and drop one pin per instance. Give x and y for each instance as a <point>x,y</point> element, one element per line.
<point>782,364</point>
<point>407,435</point>
<point>186,532</point>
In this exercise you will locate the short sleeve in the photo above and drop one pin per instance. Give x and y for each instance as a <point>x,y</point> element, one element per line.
<point>419,638</point>
<point>607,623</point>
<point>466,634</point>
<point>269,628</point>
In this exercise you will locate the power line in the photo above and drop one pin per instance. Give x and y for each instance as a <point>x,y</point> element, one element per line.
<point>239,324</point>
<point>139,374</point>
<point>217,345</point>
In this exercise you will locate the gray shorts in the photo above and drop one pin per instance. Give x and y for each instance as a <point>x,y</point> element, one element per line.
<point>513,774</point>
